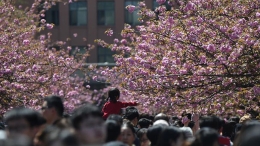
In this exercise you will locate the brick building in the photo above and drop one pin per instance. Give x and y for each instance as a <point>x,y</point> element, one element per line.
<point>90,19</point>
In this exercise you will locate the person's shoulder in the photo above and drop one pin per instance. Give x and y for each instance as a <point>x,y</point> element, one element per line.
<point>107,103</point>
<point>224,140</point>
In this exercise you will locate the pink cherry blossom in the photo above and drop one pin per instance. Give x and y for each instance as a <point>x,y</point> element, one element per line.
<point>49,26</point>
<point>130,8</point>
<point>26,42</point>
<point>188,58</point>
<point>160,2</point>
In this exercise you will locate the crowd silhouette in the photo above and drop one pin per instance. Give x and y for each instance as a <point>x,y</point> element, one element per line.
<point>112,126</point>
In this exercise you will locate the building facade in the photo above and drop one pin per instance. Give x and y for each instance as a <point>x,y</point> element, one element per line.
<point>88,20</point>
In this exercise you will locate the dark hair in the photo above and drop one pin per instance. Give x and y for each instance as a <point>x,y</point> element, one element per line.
<point>250,136</point>
<point>168,135</point>
<point>84,112</point>
<point>144,123</point>
<point>229,129</point>
<point>33,117</point>
<point>113,130</point>
<point>191,124</point>
<point>153,133</point>
<point>161,116</point>
<point>2,126</point>
<point>147,116</point>
<point>131,113</point>
<point>235,119</point>
<point>175,118</point>
<point>130,126</point>
<point>116,118</point>
<point>178,123</point>
<point>113,93</point>
<point>141,132</point>
<point>188,115</point>
<point>205,137</point>
<point>211,121</point>
<point>56,102</point>
<point>247,129</point>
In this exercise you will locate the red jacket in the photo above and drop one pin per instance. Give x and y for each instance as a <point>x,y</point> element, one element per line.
<point>115,108</point>
<point>224,141</point>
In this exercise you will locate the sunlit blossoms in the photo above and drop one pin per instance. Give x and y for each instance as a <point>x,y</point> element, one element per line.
<point>31,68</point>
<point>201,56</point>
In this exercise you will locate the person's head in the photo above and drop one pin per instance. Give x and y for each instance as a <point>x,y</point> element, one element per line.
<point>206,137</point>
<point>127,133</point>
<point>113,94</point>
<point>170,136</point>
<point>175,118</point>
<point>246,129</point>
<point>161,122</point>
<point>89,125</point>
<point>186,118</point>
<point>132,114</point>
<point>249,136</point>
<point>178,123</point>
<point>52,108</point>
<point>161,116</point>
<point>116,118</point>
<point>147,116</point>
<point>144,123</point>
<point>212,122</point>
<point>229,129</point>
<point>23,122</point>
<point>187,133</point>
<point>113,130</point>
<point>153,133</point>
<point>141,134</point>
<point>235,119</point>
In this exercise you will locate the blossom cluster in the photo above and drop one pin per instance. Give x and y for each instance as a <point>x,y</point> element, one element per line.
<point>31,65</point>
<point>200,55</point>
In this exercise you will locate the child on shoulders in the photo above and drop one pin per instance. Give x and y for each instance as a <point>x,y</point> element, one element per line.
<point>113,106</point>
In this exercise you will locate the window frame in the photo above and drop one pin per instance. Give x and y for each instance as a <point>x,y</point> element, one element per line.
<point>82,50</point>
<point>71,23</point>
<point>105,55</point>
<point>134,23</point>
<point>54,9</point>
<point>114,16</point>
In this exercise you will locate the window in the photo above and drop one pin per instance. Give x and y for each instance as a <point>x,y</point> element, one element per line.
<point>78,51</point>
<point>131,18</point>
<point>105,55</point>
<point>155,5</point>
<point>52,15</point>
<point>78,13</point>
<point>106,13</point>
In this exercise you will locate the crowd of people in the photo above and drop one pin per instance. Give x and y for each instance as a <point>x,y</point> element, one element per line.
<point>90,126</point>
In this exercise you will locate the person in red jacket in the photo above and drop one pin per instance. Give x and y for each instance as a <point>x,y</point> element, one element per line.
<point>113,106</point>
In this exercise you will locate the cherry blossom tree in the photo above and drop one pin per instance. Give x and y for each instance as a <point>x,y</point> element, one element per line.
<point>31,67</point>
<point>201,55</point>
